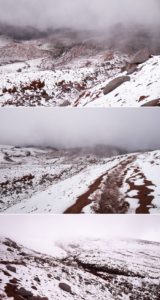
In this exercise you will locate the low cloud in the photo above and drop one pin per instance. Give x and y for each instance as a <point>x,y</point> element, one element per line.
<point>79,14</point>
<point>34,231</point>
<point>132,129</point>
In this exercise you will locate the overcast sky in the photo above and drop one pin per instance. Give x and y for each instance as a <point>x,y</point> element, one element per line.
<point>40,232</point>
<point>84,14</point>
<point>132,129</point>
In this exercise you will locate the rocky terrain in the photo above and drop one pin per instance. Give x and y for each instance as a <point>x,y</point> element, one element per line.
<point>84,269</point>
<point>73,68</point>
<point>100,179</point>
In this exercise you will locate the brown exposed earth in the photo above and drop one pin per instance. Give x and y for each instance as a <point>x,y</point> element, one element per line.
<point>105,192</point>
<point>143,193</point>
<point>110,199</point>
<point>84,200</point>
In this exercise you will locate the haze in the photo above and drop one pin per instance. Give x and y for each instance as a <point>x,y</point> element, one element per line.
<point>42,232</point>
<point>131,129</point>
<point>79,14</point>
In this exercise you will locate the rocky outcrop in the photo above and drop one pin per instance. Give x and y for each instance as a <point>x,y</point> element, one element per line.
<point>115,83</point>
<point>141,56</point>
<point>21,293</point>
<point>24,293</point>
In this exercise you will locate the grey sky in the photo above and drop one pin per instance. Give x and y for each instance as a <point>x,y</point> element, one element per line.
<point>127,128</point>
<point>39,232</point>
<point>78,13</point>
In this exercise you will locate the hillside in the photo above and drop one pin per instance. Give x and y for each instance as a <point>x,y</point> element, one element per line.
<point>73,68</point>
<point>90,269</point>
<point>89,180</point>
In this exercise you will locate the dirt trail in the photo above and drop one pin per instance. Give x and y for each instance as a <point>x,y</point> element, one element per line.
<point>83,200</point>
<point>111,200</point>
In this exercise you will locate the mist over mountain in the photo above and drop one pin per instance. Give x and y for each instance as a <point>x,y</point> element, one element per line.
<point>66,128</point>
<point>116,21</point>
<point>65,53</point>
<point>79,14</point>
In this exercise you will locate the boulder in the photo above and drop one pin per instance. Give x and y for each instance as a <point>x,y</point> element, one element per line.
<point>37,279</point>
<point>24,293</point>
<point>11,268</point>
<point>65,287</point>
<point>141,56</point>
<point>115,83</point>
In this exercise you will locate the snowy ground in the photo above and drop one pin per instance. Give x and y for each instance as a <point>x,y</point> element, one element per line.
<point>92,269</point>
<point>73,77</point>
<point>57,181</point>
<point>142,88</point>
<point>61,85</point>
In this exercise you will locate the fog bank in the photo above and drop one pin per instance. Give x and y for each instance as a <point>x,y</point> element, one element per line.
<point>38,232</point>
<point>79,14</point>
<point>131,129</point>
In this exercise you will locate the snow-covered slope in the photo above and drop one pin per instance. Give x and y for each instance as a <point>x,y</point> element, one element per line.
<point>89,269</point>
<point>142,88</point>
<point>65,69</point>
<point>62,82</point>
<point>78,180</point>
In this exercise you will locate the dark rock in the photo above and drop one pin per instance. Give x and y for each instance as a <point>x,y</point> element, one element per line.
<point>141,56</point>
<point>142,98</point>
<point>65,287</point>
<point>6,273</point>
<point>34,287</point>
<point>37,279</point>
<point>152,103</point>
<point>24,293</point>
<point>13,280</point>
<point>115,83</point>
<point>65,103</point>
<point>11,291</point>
<point>10,250</point>
<point>10,268</point>
<point>23,254</point>
<point>10,243</point>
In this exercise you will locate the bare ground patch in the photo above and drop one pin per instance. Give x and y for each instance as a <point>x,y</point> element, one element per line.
<point>104,193</point>
<point>143,192</point>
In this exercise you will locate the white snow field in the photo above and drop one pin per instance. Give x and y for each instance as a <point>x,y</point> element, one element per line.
<point>85,269</point>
